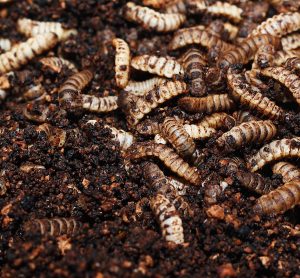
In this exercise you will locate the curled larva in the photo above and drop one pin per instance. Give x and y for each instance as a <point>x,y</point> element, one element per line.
<point>124,138</point>
<point>168,218</point>
<point>26,51</point>
<point>176,7</point>
<point>246,133</point>
<point>243,116</point>
<point>281,56</point>
<point>56,136</point>
<point>209,104</point>
<point>136,107</point>
<point>31,28</point>
<point>3,187</point>
<point>5,44</point>
<point>196,35</point>
<point>225,9</point>
<point>170,158</point>
<point>56,64</point>
<point>287,170</point>
<point>147,127</point>
<point>279,200</point>
<point>279,25</point>
<point>254,182</point>
<point>242,92</point>
<point>199,131</point>
<point>285,77</point>
<point>278,149</point>
<point>158,65</point>
<point>218,120</point>
<point>52,227</point>
<point>140,88</point>
<point>122,62</point>
<point>98,104</point>
<point>194,63</point>
<point>291,41</point>
<point>152,20</point>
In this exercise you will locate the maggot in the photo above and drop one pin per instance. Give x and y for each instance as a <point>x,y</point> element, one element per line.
<point>246,133</point>
<point>22,53</point>
<point>225,9</point>
<point>242,116</point>
<point>140,88</point>
<point>218,120</point>
<point>279,200</point>
<point>199,131</point>
<point>56,136</point>
<point>158,65</point>
<point>98,104</point>
<point>152,20</point>
<point>124,138</point>
<point>209,104</point>
<point>122,62</point>
<point>278,149</point>
<point>287,170</point>
<point>56,64</point>
<point>168,218</point>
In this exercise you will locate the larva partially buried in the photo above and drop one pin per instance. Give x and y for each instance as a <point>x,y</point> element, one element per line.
<point>122,62</point>
<point>140,88</point>
<point>279,200</point>
<point>56,64</point>
<point>218,120</point>
<point>157,65</point>
<point>278,149</point>
<point>291,41</point>
<point>168,218</point>
<point>124,138</point>
<point>209,104</point>
<point>56,136</point>
<point>287,170</point>
<point>52,227</point>
<point>26,51</point>
<point>152,20</point>
<point>171,159</point>
<point>246,133</point>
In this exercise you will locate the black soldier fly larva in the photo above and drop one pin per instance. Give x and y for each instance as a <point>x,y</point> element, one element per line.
<point>287,170</point>
<point>56,64</point>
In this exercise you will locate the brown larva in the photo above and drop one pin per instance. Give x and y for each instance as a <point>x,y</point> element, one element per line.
<point>199,131</point>
<point>282,56</point>
<point>254,182</point>
<point>157,65</point>
<point>153,20</point>
<point>278,149</point>
<point>209,104</point>
<point>230,165</point>
<point>225,9</point>
<point>246,133</point>
<point>147,127</point>
<point>171,159</point>
<point>168,218</point>
<point>56,64</point>
<point>122,62</point>
<point>244,116</point>
<point>287,170</point>
<point>196,35</point>
<point>140,88</point>
<point>5,44</point>
<point>136,107</point>
<point>285,77</point>
<point>194,62</point>
<point>31,28</point>
<point>279,200</point>
<point>242,92</point>
<point>124,138</point>
<point>26,51</point>
<point>56,136</point>
<point>34,92</point>
<point>293,64</point>
<point>284,6</point>
<point>218,120</point>
<point>291,41</point>
<point>52,227</point>
<point>279,25</point>
<point>264,57</point>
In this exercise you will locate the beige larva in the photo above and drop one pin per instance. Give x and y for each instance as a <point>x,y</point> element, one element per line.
<point>124,138</point>
<point>281,56</point>
<point>140,88</point>
<point>5,44</point>
<point>199,131</point>
<point>168,218</point>
<point>287,170</point>
<point>31,28</point>
<point>153,20</point>
<point>122,62</point>
<point>176,7</point>
<point>56,136</point>
<point>56,64</point>
<point>278,149</point>
<point>227,10</point>
<point>99,104</point>
<point>291,41</point>
<point>158,139</point>
<point>26,51</point>
<point>161,66</point>
<point>158,3</point>
<point>218,120</point>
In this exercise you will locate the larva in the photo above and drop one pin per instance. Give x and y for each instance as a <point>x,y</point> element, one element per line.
<point>285,77</point>
<point>244,116</point>
<point>3,187</point>
<point>52,227</point>
<point>279,200</point>
<point>281,56</point>
<point>152,20</point>
<point>196,6</point>
<point>31,28</point>
<point>158,3</point>
<point>125,139</point>
<point>56,136</point>
<point>136,107</point>
<point>291,41</point>
<point>254,182</point>
<point>99,104</point>
<point>196,35</point>
<point>147,127</point>
<point>178,7</point>
<point>169,219</point>
<point>246,133</point>
<point>171,159</point>
<point>140,88</point>
<point>209,104</point>
<point>56,64</point>
<point>5,44</point>
<point>199,131</point>
<point>227,10</point>
<point>122,62</point>
<point>218,120</point>
<point>279,25</point>
<point>293,64</point>
<point>194,63</point>
<point>278,149</point>
<point>180,187</point>
<point>230,165</point>
<point>158,65</point>
<point>242,92</point>
<point>34,92</point>
<point>285,5</point>
<point>26,51</point>
<point>287,170</point>
<point>264,57</point>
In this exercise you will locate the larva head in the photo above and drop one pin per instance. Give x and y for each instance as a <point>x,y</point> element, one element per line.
<point>215,78</point>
